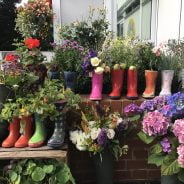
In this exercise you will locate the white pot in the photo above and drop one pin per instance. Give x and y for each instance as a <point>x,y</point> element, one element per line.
<point>167,78</point>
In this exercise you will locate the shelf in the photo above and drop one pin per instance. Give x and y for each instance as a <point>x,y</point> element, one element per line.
<point>42,152</point>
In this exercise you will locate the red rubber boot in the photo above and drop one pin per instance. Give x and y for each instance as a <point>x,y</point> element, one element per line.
<point>117,77</point>
<point>132,84</point>
<point>26,123</point>
<point>14,134</point>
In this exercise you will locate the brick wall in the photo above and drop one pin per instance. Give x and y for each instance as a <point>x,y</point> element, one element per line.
<point>130,168</point>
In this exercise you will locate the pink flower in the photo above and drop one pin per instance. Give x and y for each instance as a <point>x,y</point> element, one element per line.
<point>155,123</point>
<point>156,51</point>
<point>178,130</point>
<point>180,151</point>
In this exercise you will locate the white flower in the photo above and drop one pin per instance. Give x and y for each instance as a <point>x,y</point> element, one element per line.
<point>110,133</point>
<point>120,120</point>
<point>99,70</point>
<point>95,61</point>
<point>73,136</point>
<point>91,123</point>
<point>81,141</point>
<point>94,133</point>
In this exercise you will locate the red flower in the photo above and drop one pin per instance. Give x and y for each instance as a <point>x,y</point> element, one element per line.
<point>11,58</point>
<point>32,43</point>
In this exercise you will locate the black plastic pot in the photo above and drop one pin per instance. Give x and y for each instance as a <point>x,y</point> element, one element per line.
<point>70,80</point>
<point>173,179</point>
<point>104,167</point>
<point>5,93</point>
<point>53,75</point>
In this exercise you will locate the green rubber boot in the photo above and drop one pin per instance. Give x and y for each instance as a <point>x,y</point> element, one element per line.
<point>39,136</point>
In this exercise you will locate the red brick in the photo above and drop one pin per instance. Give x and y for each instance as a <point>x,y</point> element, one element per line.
<point>122,175</point>
<point>137,164</point>
<point>153,174</point>
<point>120,165</point>
<point>140,154</point>
<point>116,106</point>
<point>139,174</point>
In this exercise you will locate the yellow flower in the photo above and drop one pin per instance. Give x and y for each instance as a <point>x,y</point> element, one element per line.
<point>95,61</point>
<point>99,70</point>
<point>22,111</point>
<point>116,67</point>
<point>107,69</point>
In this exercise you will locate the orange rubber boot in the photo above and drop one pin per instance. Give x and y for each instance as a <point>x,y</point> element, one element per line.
<point>26,124</point>
<point>117,77</point>
<point>132,84</point>
<point>14,134</point>
<point>151,77</point>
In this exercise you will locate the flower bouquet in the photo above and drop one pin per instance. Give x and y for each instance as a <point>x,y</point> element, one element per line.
<point>94,66</point>
<point>98,134</point>
<point>162,126</point>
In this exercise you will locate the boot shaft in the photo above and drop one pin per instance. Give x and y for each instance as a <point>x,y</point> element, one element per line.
<point>26,122</point>
<point>167,77</point>
<point>151,77</point>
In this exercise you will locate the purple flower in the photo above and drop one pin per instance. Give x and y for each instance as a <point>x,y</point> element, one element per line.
<point>102,137</point>
<point>155,123</point>
<point>132,109</point>
<point>166,145</point>
<point>148,105</point>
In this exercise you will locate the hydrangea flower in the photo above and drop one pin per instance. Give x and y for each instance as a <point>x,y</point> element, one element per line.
<point>132,109</point>
<point>148,105</point>
<point>166,145</point>
<point>178,130</point>
<point>180,151</point>
<point>102,137</point>
<point>155,123</point>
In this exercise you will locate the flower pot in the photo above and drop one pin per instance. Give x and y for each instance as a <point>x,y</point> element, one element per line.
<point>104,167</point>
<point>58,137</point>
<point>39,136</point>
<point>167,77</point>
<point>70,79</point>
<point>97,85</point>
<point>26,126</point>
<point>151,77</point>
<point>14,128</point>
<point>132,84</point>
<point>173,179</point>
<point>3,130</point>
<point>53,75</point>
<point>5,93</point>
<point>117,77</point>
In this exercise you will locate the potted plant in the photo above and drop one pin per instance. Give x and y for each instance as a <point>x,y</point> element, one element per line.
<point>34,19</point>
<point>148,59</point>
<point>93,66</point>
<point>69,57</point>
<point>162,125</point>
<point>98,134</point>
<point>37,171</point>
<point>114,52</point>
<point>168,66</point>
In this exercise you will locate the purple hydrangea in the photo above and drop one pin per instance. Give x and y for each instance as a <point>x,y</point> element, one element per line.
<point>102,137</point>
<point>155,123</point>
<point>86,64</point>
<point>166,145</point>
<point>132,109</point>
<point>148,105</point>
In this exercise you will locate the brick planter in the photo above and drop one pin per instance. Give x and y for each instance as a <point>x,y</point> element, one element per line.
<point>130,169</point>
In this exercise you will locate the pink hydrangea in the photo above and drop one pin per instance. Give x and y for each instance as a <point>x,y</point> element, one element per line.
<point>180,151</point>
<point>178,130</point>
<point>155,123</point>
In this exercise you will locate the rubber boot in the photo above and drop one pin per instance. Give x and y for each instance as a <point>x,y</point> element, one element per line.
<point>117,77</point>
<point>97,84</point>
<point>26,125</point>
<point>167,77</point>
<point>14,134</point>
<point>39,136</point>
<point>151,77</point>
<point>132,84</point>
<point>58,137</point>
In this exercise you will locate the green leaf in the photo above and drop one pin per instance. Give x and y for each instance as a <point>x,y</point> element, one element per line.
<point>48,168</point>
<point>134,118</point>
<point>18,180</point>
<point>181,175</point>
<point>38,174</point>
<point>170,168</point>
<point>156,159</point>
<point>13,176</point>
<point>157,148</point>
<point>146,138</point>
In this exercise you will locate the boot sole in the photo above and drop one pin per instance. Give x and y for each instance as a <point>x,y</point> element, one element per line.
<point>36,145</point>
<point>132,98</point>
<point>115,97</point>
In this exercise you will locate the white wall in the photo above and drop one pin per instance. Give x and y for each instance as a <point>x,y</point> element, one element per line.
<point>168,20</point>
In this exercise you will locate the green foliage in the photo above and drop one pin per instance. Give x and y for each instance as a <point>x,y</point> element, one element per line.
<point>155,149</point>
<point>145,138</point>
<point>181,175</point>
<point>39,172</point>
<point>156,159</point>
<point>89,33</point>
